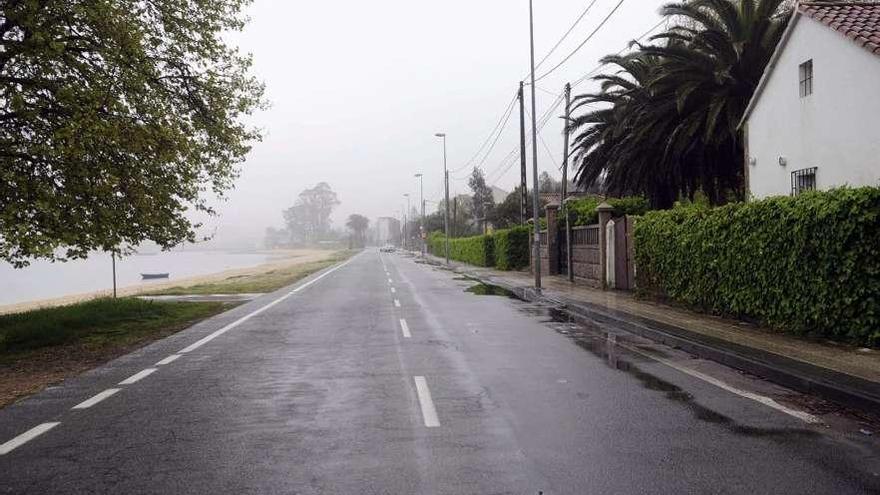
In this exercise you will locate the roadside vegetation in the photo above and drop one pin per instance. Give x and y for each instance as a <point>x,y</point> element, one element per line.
<point>259,282</point>
<point>805,264</point>
<point>506,249</point>
<point>97,323</point>
<point>45,346</point>
<point>664,124</point>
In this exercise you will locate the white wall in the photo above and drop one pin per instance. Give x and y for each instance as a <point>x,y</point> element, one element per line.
<point>836,129</point>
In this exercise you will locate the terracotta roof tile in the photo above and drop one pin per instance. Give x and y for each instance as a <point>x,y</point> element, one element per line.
<point>859,21</point>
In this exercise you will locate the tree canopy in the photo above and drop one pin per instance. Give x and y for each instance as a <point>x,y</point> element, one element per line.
<point>664,125</point>
<point>308,220</point>
<point>116,118</point>
<point>482,200</point>
<point>358,224</point>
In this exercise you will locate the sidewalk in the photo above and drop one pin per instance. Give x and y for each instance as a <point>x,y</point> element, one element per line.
<point>842,373</point>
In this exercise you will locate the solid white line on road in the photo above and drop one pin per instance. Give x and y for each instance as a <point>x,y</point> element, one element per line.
<point>397,303</point>
<point>170,359</point>
<point>97,398</point>
<point>429,413</point>
<point>140,375</point>
<point>26,437</point>
<point>393,290</point>
<point>204,340</point>
<point>767,401</point>
<point>405,328</point>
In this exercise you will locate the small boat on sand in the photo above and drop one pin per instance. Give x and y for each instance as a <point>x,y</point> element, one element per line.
<point>153,276</point>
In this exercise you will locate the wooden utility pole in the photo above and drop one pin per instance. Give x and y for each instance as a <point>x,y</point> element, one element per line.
<point>524,195</point>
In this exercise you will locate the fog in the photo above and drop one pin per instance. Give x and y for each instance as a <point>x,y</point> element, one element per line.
<point>358,89</point>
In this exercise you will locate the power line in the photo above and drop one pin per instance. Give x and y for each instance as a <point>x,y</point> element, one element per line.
<point>498,135</point>
<point>576,22</point>
<point>507,163</point>
<point>601,24</point>
<point>504,116</point>
<point>546,148</point>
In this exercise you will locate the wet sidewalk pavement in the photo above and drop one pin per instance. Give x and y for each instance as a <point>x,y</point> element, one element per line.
<point>846,374</point>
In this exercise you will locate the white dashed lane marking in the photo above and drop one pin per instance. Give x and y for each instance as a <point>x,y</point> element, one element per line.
<point>96,398</point>
<point>170,359</point>
<point>397,303</point>
<point>140,375</point>
<point>26,437</point>
<point>429,412</point>
<point>404,328</point>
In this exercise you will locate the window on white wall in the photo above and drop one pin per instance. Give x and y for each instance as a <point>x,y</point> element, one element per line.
<point>806,78</point>
<point>803,180</point>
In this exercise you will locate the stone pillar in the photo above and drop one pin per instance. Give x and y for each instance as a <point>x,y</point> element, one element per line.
<point>552,239</point>
<point>605,212</point>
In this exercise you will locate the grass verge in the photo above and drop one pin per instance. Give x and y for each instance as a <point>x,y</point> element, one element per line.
<point>44,346</point>
<point>259,282</point>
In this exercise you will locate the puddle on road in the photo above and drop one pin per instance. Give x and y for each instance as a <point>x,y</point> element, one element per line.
<point>482,289</point>
<point>604,345</point>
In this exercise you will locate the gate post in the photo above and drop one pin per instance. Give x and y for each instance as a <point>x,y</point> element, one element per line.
<point>552,239</point>
<point>605,211</point>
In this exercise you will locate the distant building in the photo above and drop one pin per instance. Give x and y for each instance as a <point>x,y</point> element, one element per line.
<point>499,195</point>
<point>387,231</point>
<point>814,119</point>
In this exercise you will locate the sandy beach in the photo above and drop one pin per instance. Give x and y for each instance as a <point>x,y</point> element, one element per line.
<point>285,258</point>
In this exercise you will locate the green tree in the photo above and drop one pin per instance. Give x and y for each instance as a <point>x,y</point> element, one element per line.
<point>358,224</point>
<point>482,200</point>
<point>507,213</point>
<point>308,220</point>
<point>665,124</point>
<point>116,118</point>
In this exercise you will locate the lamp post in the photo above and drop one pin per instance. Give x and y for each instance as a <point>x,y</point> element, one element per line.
<point>535,213</point>
<point>406,222</point>
<point>422,217</point>
<point>446,188</point>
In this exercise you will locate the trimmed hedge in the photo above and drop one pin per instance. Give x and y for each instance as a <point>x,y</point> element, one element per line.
<point>584,209</point>
<point>808,264</point>
<point>477,250</point>
<point>504,249</point>
<point>512,248</point>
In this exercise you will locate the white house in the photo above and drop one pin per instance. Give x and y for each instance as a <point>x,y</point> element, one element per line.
<point>814,120</point>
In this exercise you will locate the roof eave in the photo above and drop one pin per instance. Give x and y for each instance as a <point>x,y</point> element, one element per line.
<point>770,66</point>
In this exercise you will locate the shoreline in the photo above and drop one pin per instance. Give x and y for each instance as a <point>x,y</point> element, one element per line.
<point>285,258</point>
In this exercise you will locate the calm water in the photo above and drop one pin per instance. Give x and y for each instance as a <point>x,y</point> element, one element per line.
<point>44,280</point>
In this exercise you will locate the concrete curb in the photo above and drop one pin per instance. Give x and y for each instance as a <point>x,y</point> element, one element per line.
<point>842,388</point>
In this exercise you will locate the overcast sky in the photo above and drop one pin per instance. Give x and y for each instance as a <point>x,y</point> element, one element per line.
<point>358,89</point>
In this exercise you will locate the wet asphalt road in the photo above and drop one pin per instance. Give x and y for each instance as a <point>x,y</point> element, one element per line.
<point>318,394</point>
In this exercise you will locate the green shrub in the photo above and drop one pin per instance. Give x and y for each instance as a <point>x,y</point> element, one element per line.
<point>476,250</point>
<point>808,264</point>
<point>511,248</point>
<point>584,209</point>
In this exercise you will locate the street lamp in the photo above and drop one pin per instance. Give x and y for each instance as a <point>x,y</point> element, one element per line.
<point>405,222</point>
<point>422,218</point>
<point>535,213</point>
<point>446,187</point>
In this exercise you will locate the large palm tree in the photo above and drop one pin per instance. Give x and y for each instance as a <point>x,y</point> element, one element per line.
<point>667,121</point>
